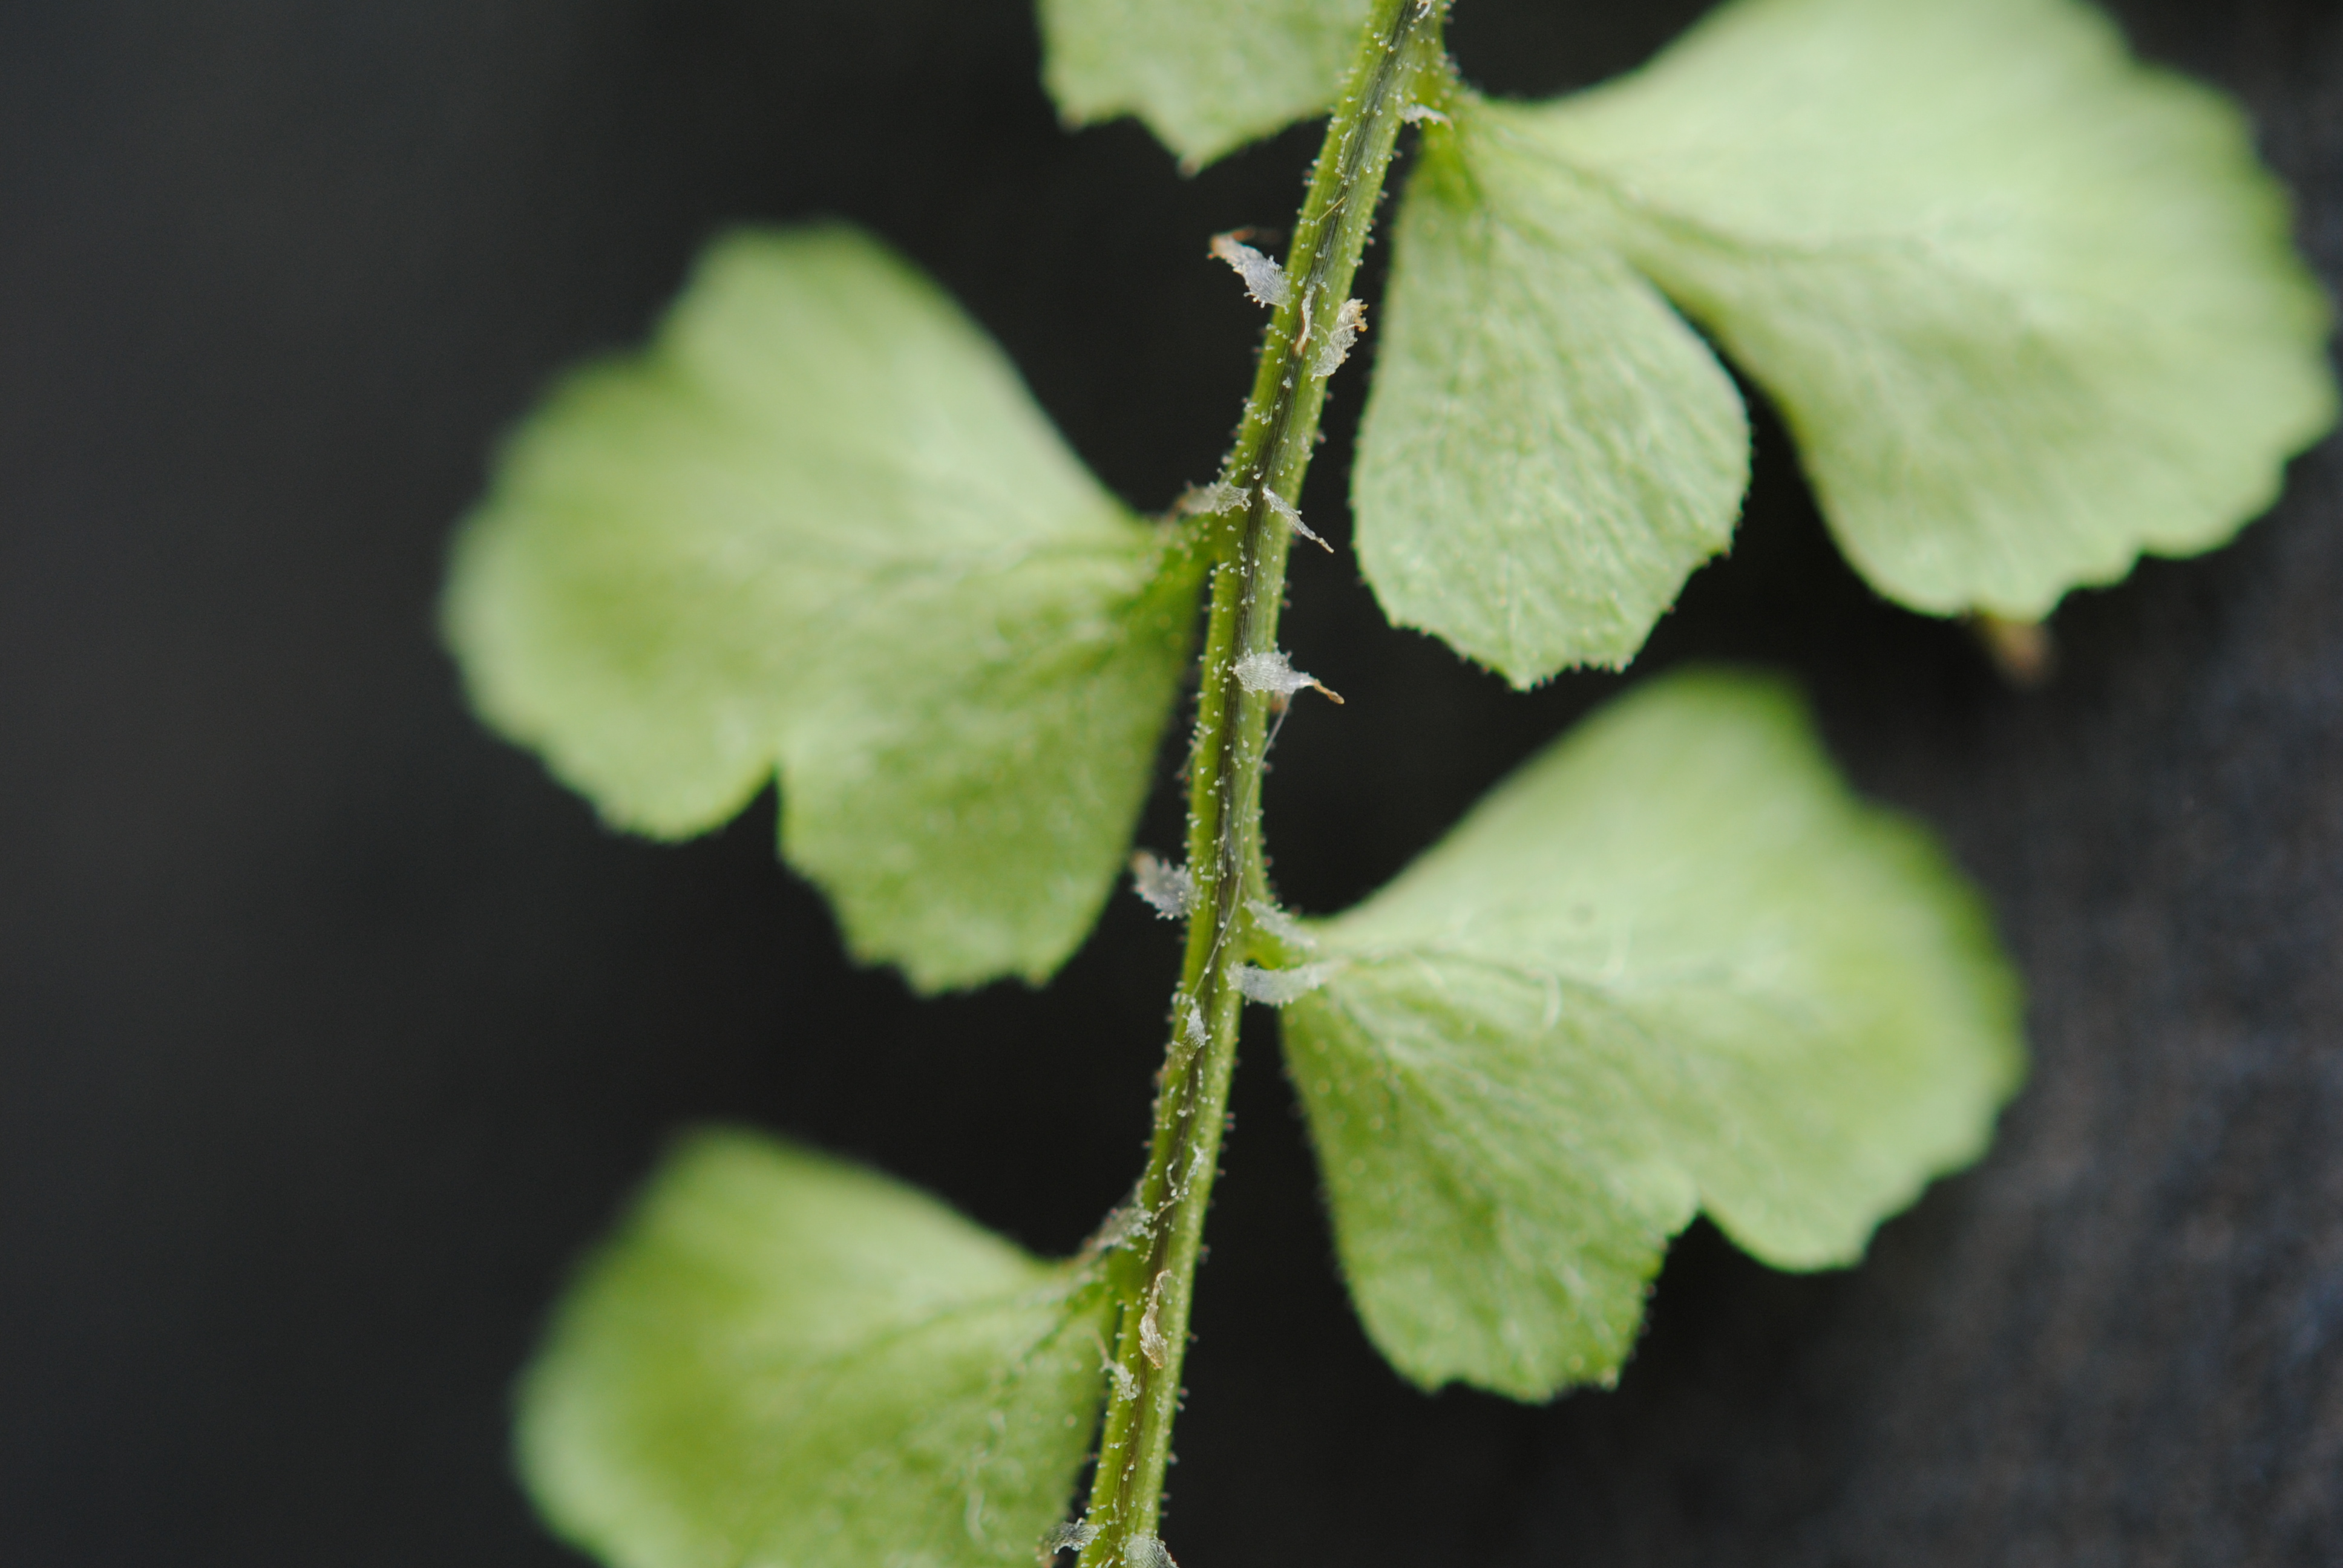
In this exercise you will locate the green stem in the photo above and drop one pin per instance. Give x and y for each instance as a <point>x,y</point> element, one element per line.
<point>1152,1271</point>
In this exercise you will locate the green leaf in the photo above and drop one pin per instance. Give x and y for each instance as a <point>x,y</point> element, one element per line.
<point>1548,451</point>
<point>782,1359</point>
<point>820,525</point>
<point>1670,965</point>
<point>2028,306</point>
<point>1206,75</point>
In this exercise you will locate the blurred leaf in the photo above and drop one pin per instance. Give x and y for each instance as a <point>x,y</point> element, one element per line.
<point>2029,308</point>
<point>1670,965</point>
<point>1206,75</point>
<point>1548,451</point>
<point>820,526</point>
<point>782,1359</point>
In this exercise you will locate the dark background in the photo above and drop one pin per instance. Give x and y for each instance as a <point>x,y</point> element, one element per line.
<point>330,1031</point>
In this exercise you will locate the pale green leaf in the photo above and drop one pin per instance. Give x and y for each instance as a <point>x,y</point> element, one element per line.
<point>1547,451</point>
<point>1206,75</point>
<point>2028,306</point>
<point>784,1362</point>
<point>1672,965</point>
<point>821,526</point>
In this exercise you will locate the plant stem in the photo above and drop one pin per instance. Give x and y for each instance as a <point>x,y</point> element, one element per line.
<point>1152,1271</point>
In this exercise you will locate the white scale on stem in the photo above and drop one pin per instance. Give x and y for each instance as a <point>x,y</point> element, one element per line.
<point>1188,1180</point>
<point>1221,497</point>
<point>1279,924</point>
<point>1291,515</point>
<point>1271,671</point>
<point>1151,1342</point>
<point>1275,988</point>
<point>1070,1535</point>
<point>1263,278</point>
<point>1212,499</point>
<point>1169,888</point>
<point>1146,1552</point>
<point>1327,355</point>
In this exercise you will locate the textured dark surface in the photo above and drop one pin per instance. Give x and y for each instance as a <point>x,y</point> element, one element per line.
<point>330,1031</point>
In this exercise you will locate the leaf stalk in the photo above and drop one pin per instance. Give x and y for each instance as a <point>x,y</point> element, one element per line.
<point>1152,1274</point>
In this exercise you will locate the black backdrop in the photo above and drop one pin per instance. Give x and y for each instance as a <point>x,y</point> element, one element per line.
<point>331,1030</point>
